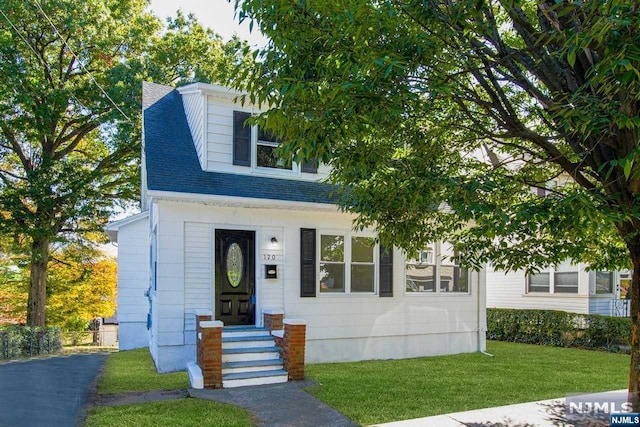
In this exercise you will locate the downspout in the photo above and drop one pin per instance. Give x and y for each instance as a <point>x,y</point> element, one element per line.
<point>482,286</point>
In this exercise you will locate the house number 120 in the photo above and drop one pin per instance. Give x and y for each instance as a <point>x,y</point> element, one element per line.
<point>269,257</point>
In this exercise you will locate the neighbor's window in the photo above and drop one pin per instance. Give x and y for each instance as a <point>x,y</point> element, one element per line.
<point>566,282</point>
<point>625,284</point>
<point>266,150</point>
<point>332,263</point>
<point>435,270</point>
<point>538,282</point>
<point>604,282</point>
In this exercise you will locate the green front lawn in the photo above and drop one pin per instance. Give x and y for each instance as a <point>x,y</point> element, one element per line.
<point>392,390</point>
<point>181,412</point>
<point>133,370</point>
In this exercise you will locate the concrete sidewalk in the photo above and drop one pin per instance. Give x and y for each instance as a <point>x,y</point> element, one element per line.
<point>543,413</point>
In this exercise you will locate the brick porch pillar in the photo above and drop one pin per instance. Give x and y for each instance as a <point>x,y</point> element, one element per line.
<point>210,352</point>
<point>272,319</point>
<point>293,343</point>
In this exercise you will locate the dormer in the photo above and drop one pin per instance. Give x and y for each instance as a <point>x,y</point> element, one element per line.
<point>226,143</point>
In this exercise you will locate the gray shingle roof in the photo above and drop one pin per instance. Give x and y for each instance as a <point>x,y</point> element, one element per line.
<point>172,162</point>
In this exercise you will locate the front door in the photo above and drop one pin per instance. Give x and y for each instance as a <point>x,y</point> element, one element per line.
<point>235,277</point>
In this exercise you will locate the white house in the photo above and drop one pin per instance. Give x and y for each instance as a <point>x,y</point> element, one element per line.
<point>231,230</point>
<point>568,287</point>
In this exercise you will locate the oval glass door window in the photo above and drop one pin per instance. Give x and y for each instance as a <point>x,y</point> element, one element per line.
<point>234,265</point>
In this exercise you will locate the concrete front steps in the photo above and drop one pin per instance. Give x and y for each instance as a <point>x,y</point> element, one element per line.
<point>250,357</point>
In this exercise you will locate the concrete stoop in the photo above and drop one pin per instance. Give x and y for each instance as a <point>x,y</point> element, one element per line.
<point>249,357</point>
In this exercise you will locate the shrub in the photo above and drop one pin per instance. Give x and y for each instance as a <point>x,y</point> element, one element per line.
<point>558,328</point>
<point>20,341</point>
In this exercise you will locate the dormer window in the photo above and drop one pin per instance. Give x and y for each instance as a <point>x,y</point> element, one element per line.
<point>258,149</point>
<point>266,152</point>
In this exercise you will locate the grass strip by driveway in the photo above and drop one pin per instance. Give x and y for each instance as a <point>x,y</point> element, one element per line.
<point>182,412</point>
<point>391,390</point>
<point>133,370</point>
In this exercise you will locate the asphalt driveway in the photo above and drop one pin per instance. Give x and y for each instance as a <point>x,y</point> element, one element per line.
<point>48,392</point>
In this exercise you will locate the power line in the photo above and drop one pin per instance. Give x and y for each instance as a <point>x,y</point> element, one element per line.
<point>35,52</point>
<point>80,61</point>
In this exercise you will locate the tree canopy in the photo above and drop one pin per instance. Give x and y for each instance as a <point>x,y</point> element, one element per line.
<point>447,119</point>
<point>406,100</point>
<point>70,93</point>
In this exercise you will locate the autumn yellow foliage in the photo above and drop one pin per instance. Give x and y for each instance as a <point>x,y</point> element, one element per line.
<point>81,286</point>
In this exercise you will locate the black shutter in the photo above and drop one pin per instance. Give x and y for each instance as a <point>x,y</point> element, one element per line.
<point>311,166</point>
<point>241,139</point>
<point>307,262</point>
<point>386,271</point>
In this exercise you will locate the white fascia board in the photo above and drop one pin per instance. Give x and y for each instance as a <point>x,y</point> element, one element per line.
<point>248,202</point>
<point>210,89</point>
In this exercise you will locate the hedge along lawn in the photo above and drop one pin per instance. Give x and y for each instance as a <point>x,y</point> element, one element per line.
<point>133,370</point>
<point>391,390</point>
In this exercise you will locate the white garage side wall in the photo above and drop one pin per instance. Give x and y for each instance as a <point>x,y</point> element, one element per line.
<point>339,327</point>
<point>508,290</point>
<point>133,282</point>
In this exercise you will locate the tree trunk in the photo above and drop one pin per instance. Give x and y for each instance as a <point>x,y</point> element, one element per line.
<point>634,371</point>
<point>38,282</point>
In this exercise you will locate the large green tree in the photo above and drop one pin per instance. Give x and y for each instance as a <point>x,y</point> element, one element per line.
<point>442,116</point>
<point>70,91</point>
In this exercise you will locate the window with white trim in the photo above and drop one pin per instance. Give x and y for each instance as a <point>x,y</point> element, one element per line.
<point>435,270</point>
<point>560,281</point>
<point>566,282</point>
<point>347,263</point>
<point>267,152</point>
<point>538,282</point>
<point>604,282</point>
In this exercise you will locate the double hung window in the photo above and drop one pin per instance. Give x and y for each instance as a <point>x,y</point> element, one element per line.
<point>604,282</point>
<point>435,270</point>
<point>560,281</point>
<point>267,152</point>
<point>347,263</point>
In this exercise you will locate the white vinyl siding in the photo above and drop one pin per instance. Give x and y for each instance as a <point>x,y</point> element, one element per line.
<point>133,271</point>
<point>198,281</point>
<point>210,119</point>
<point>357,326</point>
<point>509,290</point>
<point>193,108</point>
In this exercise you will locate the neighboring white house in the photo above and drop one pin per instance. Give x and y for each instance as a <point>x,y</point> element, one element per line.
<point>230,229</point>
<point>568,287</point>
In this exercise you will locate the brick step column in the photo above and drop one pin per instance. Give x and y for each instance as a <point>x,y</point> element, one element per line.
<point>293,348</point>
<point>210,351</point>
<point>273,319</point>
